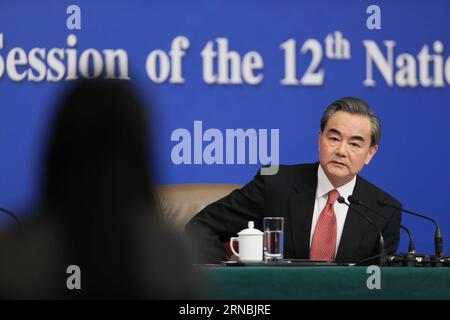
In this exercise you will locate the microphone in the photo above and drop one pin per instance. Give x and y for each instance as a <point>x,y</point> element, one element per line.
<point>356,201</point>
<point>410,259</point>
<point>438,241</point>
<point>12,215</point>
<point>411,247</point>
<point>382,255</point>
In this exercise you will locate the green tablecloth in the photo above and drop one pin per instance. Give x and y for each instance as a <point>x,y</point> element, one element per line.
<point>325,283</point>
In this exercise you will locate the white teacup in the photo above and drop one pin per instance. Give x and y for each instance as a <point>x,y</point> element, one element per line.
<point>250,244</point>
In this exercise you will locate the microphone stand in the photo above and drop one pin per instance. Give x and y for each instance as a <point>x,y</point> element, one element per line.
<point>437,260</point>
<point>382,256</point>
<point>11,214</point>
<point>402,259</point>
<point>405,259</point>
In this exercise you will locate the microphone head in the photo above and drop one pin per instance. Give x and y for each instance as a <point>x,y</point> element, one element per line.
<point>354,200</point>
<point>341,199</point>
<point>382,203</point>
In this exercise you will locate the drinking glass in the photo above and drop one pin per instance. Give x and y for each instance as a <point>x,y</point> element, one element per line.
<point>273,238</point>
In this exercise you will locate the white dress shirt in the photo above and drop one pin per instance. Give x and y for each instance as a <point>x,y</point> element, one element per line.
<point>323,187</point>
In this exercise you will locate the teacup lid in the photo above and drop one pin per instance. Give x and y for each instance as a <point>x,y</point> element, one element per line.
<point>251,231</point>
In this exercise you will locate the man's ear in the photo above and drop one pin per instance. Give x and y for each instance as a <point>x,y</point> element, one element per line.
<point>371,153</point>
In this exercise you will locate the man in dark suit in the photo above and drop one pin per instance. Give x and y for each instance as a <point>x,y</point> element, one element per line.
<point>316,226</point>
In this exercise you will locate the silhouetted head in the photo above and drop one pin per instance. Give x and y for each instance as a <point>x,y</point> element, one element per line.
<point>97,157</point>
<point>97,185</point>
<point>98,212</point>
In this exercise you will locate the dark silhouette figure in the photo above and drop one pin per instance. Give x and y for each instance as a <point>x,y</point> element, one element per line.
<point>97,209</point>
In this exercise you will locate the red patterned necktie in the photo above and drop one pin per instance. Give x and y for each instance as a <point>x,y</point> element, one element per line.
<point>323,245</point>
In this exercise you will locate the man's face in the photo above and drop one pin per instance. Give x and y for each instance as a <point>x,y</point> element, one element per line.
<point>344,146</point>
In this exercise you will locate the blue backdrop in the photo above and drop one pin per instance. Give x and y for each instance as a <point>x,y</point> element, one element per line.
<point>410,75</point>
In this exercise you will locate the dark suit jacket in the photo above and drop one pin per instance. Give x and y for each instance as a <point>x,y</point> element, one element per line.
<point>291,194</point>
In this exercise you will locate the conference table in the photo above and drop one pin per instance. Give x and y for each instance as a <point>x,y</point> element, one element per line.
<point>325,282</point>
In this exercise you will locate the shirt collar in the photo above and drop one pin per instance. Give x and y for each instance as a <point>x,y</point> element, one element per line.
<point>324,185</point>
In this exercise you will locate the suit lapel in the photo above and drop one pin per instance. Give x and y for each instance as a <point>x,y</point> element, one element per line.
<point>301,209</point>
<point>354,230</point>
